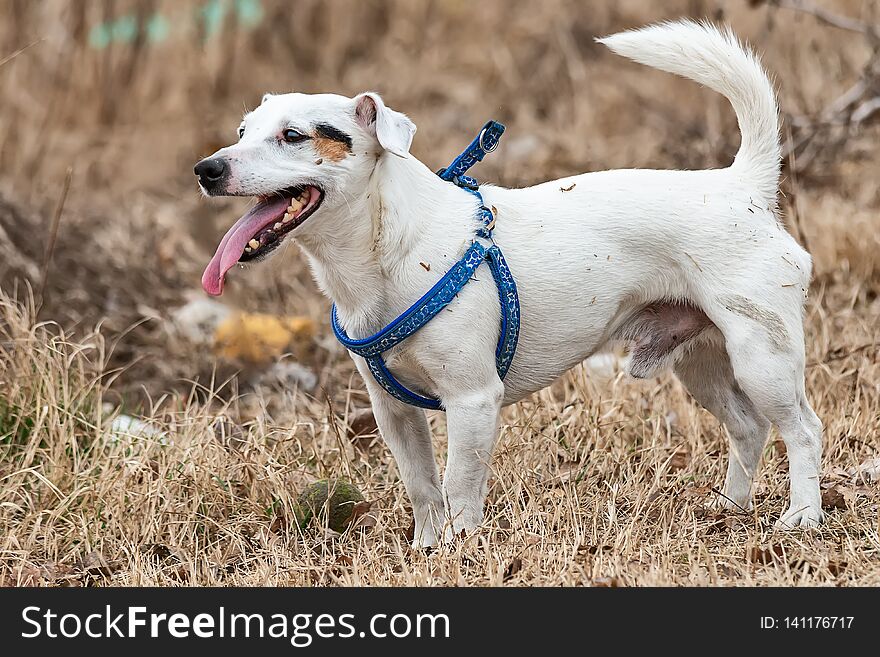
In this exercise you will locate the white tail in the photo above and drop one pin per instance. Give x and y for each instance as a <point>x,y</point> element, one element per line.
<point>715,58</point>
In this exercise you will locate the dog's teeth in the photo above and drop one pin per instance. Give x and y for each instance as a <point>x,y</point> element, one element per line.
<point>254,244</point>
<point>294,206</point>
<point>277,225</point>
<point>247,249</point>
<point>287,218</point>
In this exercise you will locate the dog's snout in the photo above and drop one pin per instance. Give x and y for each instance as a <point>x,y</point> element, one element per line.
<point>211,170</point>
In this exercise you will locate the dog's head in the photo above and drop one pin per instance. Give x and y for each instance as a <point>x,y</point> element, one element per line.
<point>296,154</point>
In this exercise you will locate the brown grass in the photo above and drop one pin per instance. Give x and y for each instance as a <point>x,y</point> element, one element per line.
<point>596,480</point>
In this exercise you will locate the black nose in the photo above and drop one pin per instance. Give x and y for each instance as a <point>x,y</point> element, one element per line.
<point>210,170</point>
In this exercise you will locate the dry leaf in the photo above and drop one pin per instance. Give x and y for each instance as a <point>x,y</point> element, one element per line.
<point>359,515</point>
<point>410,532</point>
<point>570,471</point>
<point>606,582</point>
<point>362,427</point>
<point>695,492</point>
<point>836,568</point>
<point>833,498</point>
<point>159,552</point>
<point>95,565</point>
<point>679,461</point>
<point>51,572</point>
<point>260,338</point>
<point>513,568</point>
<point>765,555</point>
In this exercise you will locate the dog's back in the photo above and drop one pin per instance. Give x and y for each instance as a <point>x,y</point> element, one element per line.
<point>638,236</point>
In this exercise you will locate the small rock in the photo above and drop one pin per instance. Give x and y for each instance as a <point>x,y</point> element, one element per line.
<point>128,428</point>
<point>290,374</point>
<point>198,320</point>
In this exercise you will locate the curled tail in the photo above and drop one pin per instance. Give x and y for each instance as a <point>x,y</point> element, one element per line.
<point>716,59</point>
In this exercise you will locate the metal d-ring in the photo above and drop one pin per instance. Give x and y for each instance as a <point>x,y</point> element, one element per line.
<point>480,142</point>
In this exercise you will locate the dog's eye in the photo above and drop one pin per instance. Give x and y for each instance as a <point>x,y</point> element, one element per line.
<point>291,136</point>
<point>241,132</point>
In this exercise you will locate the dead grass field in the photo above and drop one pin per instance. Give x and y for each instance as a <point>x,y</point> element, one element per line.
<point>598,480</point>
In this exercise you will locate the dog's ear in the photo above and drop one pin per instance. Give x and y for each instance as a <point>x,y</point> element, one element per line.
<point>266,97</point>
<point>393,130</point>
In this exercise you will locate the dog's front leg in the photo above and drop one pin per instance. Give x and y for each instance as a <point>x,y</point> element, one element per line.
<point>406,432</point>
<point>472,420</point>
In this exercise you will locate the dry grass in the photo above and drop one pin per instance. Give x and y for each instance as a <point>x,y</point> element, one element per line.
<point>601,480</point>
<point>593,483</point>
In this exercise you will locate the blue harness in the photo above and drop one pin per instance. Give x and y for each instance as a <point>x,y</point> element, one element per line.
<point>442,294</point>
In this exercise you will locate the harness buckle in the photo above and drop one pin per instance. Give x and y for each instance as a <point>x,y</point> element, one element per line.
<point>482,145</point>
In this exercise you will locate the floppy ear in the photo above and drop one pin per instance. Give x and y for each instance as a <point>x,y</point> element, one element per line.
<point>393,130</point>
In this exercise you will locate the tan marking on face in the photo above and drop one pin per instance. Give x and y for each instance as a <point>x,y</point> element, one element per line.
<point>330,149</point>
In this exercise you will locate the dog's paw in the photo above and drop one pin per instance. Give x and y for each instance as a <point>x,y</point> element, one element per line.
<point>459,529</point>
<point>424,544</point>
<point>452,535</point>
<point>425,538</point>
<point>801,516</point>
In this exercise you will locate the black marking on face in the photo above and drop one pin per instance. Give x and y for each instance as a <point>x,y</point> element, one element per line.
<point>329,132</point>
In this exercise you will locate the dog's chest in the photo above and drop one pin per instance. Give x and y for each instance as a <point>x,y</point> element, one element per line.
<point>409,369</point>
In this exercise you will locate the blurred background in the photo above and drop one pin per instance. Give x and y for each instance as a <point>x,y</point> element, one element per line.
<point>106,105</point>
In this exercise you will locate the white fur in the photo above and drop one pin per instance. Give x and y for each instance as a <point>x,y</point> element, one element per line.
<point>585,261</point>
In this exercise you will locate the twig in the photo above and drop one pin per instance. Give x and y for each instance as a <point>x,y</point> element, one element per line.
<point>53,233</point>
<point>838,354</point>
<point>830,18</point>
<point>20,50</point>
<point>718,492</point>
<point>795,188</point>
<point>693,261</point>
<point>865,110</point>
<point>850,108</point>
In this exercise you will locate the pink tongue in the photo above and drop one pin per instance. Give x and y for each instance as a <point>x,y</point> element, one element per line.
<point>236,238</point>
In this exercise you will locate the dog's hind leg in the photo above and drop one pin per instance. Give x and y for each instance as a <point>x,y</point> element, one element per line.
<point>766,348</point>
<point>706,372</point>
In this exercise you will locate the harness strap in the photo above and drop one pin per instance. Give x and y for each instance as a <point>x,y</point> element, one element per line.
<point>509,299</point>
<point>420,313</point>
<point>431,303</point>
<point>445,290</point>
<point>486,142</point>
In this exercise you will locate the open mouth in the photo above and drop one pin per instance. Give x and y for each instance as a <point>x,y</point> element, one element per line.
<point>260,231</point>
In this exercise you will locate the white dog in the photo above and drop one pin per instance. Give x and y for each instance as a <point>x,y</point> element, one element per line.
<point>691,268</point>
